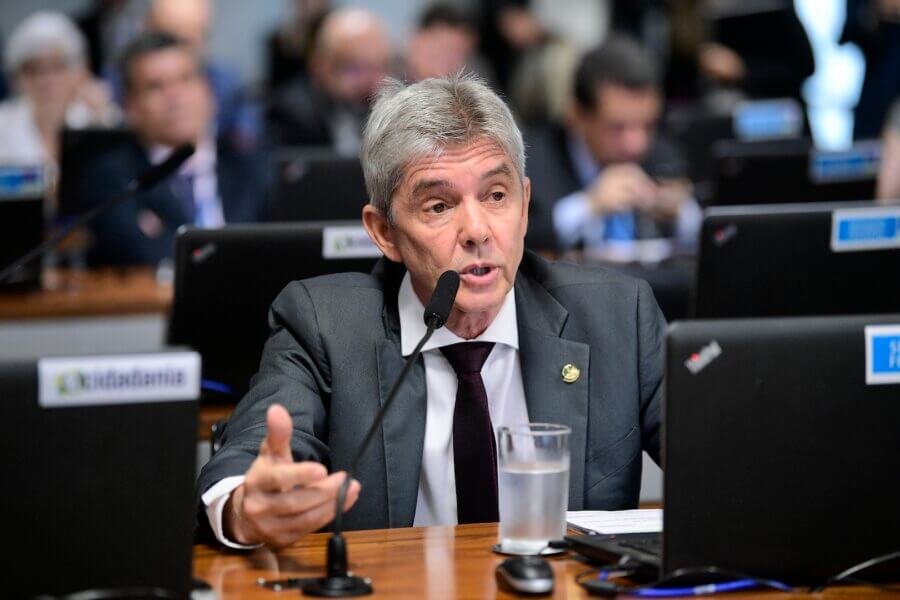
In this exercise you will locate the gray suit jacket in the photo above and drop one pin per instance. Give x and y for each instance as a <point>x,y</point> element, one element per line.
<point>334,352</point>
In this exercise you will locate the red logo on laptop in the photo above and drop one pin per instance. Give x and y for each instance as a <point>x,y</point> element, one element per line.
<point>699,360</point>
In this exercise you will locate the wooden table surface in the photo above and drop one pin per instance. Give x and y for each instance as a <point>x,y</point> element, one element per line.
<point>431,562</point>
<point>86,293</point>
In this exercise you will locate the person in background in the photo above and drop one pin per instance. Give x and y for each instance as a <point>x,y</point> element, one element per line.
<point>168,103</point>
<point>351,56</point>
<point>606,176</point>
<point>444,43</point>
<point>238,116</point>
<point>888,188</point>
<point>45,59</point>
<point>874,26</point>
<point>108,25</point>
<point>290,46</point>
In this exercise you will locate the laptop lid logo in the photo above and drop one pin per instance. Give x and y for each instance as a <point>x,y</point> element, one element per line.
<point>882,354</point>
<point>699,360</point>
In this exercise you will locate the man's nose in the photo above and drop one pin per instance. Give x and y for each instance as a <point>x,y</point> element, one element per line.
<point>474,228</point>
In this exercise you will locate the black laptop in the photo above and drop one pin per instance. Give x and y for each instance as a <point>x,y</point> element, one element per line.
<point>791,170</point>
<point>316,187</point>
<point>22,189</point>
<point>99,469</point>
<point>226,279</point>
<point>781,449</point>
<point>795,260</point>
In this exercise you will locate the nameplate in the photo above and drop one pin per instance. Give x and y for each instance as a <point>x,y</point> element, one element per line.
<point>859,162</point>
<point>21,181</point>
<point>854,230</point>
<point>348,241</point>
<point>121,379</point>
<point>882,354</point>
<point>768,119</point>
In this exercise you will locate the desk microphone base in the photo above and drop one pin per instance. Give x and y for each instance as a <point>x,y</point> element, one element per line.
<point>338,587</point>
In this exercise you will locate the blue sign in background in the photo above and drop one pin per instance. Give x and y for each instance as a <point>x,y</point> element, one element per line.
<point>886,354</point>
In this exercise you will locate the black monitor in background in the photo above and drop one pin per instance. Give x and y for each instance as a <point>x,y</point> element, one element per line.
<point>22,190</point>
<point>99,474</point>
<point>314,186</point>
<point>781,451</point>
<point>226,279</point>
<point>798,259</point>
<point>790,170</point>
<point>78,149</point>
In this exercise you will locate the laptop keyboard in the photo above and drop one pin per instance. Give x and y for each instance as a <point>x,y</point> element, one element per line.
<point>650,543</point>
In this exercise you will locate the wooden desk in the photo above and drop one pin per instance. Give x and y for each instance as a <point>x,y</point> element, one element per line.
<point>100,292</point>
<point>432,562</point>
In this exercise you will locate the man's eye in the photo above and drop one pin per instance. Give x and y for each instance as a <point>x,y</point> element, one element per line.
<point>497,196</point>
<point>437,207</point>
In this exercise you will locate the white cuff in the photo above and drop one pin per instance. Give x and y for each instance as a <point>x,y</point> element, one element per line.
<point>215,499</point>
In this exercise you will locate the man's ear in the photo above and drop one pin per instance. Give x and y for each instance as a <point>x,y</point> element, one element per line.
<point>381,232</point>
<point>526,200</point>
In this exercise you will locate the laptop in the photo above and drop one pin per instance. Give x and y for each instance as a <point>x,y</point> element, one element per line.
<point>22,189</point>
<point>780,448</point>
<point>798,259</point>
<point>79,148</point>
<point>790,170</point>
<point>99,473</point>
<point>249,265</point>
<point>313,187</point>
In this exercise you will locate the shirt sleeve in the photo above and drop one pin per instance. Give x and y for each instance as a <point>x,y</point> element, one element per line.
<point>574,223</point>
<point>215,499</point>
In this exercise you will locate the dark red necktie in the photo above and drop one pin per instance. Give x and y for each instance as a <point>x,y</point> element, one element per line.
<point>474,446</point>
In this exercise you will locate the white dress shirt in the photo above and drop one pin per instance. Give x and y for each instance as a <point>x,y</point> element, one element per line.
<point>502,375</point>
<point>202,167</point>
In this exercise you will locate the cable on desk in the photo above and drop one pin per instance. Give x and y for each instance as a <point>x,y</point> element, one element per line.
<point>845,575</point>
<point>602,585</point>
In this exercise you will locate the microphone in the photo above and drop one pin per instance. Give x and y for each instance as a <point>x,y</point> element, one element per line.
<point>339,582</point>
<point>146,180</point>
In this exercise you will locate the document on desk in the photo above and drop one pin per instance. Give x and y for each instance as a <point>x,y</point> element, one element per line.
<point>642,520</point>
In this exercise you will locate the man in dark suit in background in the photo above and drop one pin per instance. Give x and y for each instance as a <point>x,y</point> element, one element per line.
<point>168,103</point>
<point>527,341</point>
<point>606,177</point>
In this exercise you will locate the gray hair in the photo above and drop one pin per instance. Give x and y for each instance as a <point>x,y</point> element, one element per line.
<point>41,32</point>
<point>408,123</point>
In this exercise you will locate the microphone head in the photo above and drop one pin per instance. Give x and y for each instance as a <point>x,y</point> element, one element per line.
<point>438,310</point>
<point>157,173</point>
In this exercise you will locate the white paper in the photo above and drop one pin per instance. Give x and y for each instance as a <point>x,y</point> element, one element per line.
<point>641,520</point>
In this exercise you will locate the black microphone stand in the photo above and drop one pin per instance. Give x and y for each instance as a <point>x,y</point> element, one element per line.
<point>339,582</point>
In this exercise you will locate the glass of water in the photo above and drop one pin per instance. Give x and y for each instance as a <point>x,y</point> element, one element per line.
<point>534,486</point>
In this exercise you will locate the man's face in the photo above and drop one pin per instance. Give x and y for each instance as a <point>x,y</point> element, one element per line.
<point>169,101</point>
<point>465,210</point>
<point>352,68</point>
<point>622,125</point>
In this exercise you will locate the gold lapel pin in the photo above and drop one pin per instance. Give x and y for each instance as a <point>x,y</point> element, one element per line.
<point>570,373</point>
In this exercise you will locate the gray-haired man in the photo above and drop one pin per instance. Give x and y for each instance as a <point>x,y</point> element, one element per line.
<point>444,165</point>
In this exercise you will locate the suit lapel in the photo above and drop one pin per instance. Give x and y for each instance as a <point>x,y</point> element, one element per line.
<point>543,354</point>
<point>403,428</point>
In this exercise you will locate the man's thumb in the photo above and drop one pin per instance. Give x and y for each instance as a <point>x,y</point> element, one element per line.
<point>277,445</point>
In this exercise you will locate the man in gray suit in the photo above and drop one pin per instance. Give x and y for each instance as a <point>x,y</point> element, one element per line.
<point>527,341</point>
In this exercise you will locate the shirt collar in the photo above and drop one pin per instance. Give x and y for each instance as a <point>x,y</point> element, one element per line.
<point>203,160</point>
<point>503,330</point>
<point>586,168</point>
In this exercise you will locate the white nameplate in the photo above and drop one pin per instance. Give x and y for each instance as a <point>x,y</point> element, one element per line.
<point>882,354</point>
<point>119,379</point>
<point>348,241</point>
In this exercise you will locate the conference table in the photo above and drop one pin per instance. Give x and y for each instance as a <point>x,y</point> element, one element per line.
<point>419,562</point>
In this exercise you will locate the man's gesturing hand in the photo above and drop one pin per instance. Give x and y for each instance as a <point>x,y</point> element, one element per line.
<point>280,501</point>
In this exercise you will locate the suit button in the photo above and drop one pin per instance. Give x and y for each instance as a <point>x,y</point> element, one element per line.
<point>570,373</point>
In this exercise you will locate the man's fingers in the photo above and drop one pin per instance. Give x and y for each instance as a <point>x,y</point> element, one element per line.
<point>277,444</point>
<point>283,477</point>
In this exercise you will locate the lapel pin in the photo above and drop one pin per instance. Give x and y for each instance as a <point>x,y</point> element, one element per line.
<point>570,373</point>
